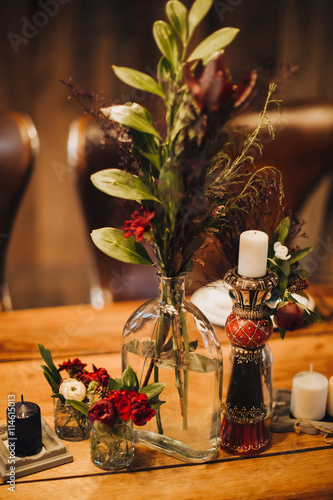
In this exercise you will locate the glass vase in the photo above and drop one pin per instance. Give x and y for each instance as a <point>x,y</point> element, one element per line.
<point>266,376</point>
<point>112,449</point>
<point>169,340</point>
<point>69,423</point>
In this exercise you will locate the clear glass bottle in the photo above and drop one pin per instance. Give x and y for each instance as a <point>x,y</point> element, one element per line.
<point>169,340</point>
<point>112,449</point>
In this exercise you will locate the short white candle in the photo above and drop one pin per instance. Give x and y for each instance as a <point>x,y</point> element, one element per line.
<point>330,397</point>
<point>253,250</point>
<point>309,395</point>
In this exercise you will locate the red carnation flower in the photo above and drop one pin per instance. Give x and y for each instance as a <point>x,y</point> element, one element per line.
<point>139,224</point>
<point>132,405</point>
<point>72,367</point>
<point>99,375</point>
<point>141,409</point>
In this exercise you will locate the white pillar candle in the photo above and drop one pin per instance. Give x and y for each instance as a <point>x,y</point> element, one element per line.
<point>253,250</point>
<point>330,397</point>
<point>309,395</point>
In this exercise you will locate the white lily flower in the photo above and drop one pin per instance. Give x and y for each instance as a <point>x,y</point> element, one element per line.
<point>73,389</point>
<point>281,252</point>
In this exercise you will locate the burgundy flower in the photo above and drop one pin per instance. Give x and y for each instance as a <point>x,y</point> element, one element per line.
<point>212,87</point>
<point>99,375</point>
<point>132,405</point>
<point>104,412</point>
<point>139,224</point>
<point>289,316</point>
<point>72,366</point>
<point>141,409</point>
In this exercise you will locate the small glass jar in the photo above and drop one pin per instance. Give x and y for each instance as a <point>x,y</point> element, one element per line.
<point>112,449</point>
<point>69,423</point>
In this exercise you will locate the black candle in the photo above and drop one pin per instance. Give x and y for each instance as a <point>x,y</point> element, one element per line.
<point>24,430</point>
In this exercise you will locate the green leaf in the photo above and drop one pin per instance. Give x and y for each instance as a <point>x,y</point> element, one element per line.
<point>198,11</point>
<point>47,357</point>
<point>166,41</point>
<point>113,385</point>
<point>178,17</point>
<point>78,405</point>
<point>122,184</point>
<point>111,241</point>
<point>133,116</point>
<point>213,43</point>
<point>148,146</point>
<point>130,380</point>
<point>299,254</point>
<point>170,190</point>
<point>282,231</point>
<point>152,390</point>
<point>138,80</point>
<point>49,377</point>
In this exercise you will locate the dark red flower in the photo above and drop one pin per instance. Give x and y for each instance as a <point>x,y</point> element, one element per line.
<point>72,367</point>
<point>104,412</point>
<point>140,223</point>
<point>289,316</point>
<point>99,375</point>
<point>132,405</point>
<point>141,409</point>
<point>212,87</point>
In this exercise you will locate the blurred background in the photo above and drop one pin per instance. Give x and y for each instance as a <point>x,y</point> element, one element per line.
<point>50,258</point>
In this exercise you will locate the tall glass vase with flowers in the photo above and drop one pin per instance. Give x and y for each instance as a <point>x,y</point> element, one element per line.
<point>183,177</point>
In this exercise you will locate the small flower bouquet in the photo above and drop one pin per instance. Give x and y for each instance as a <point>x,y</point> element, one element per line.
<point>289,312</point>
<point>110,405</point>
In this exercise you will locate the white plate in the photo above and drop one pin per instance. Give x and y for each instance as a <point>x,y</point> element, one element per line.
<point>216,304</point>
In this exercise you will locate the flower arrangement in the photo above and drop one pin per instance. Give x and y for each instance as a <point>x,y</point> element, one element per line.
<point>107,402</point>
<point>289,312</point>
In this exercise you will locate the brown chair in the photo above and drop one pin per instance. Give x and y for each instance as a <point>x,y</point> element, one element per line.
<point>18,150</point>
<point>113,280</point>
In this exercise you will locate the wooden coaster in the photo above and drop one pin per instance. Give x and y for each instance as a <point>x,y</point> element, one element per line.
<point>283,421</point>
<point>54,453</point>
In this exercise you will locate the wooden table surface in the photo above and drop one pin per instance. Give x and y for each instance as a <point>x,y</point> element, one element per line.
<point>295,466</point>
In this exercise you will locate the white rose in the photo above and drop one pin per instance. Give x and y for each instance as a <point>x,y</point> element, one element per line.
<point>73,389</point>
<point>281,252</point>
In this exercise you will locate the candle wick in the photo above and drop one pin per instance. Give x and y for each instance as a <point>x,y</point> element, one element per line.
<point>22,398</point>
<point>311,367</point>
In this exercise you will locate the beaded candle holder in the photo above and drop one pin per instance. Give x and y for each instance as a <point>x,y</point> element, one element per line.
<point>248,328</point>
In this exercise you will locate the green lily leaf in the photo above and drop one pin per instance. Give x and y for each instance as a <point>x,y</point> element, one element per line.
<point>78,405</point>
<point>178,17</point>
<point>282,231</point>
<point>198,11</point>
<point>138,80</point>
<point>133,116</point>
<point>47,357</point>
<point>299,254</point>
<point>121,184</point>
<point>49,377</point>
<point>213,43</point>
<point>152,390</point>
<point>111,241</point>
<point>166,41</point>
